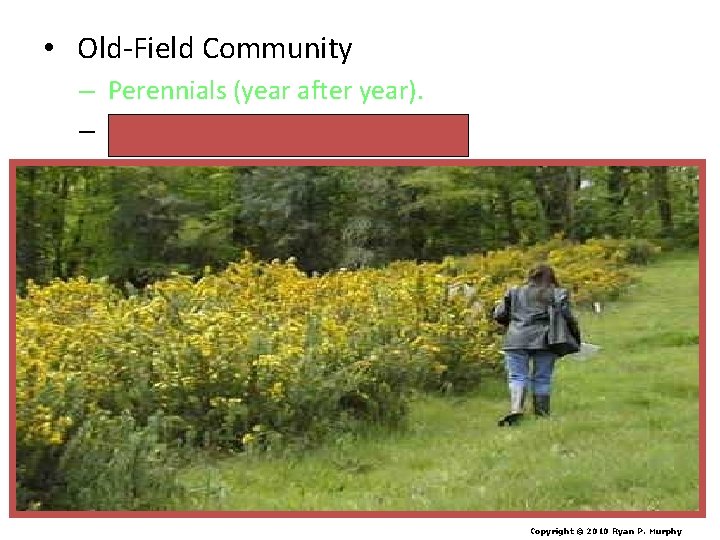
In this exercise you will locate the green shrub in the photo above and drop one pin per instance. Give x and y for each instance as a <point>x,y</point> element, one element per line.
<point>640,251</point>
<point>112,463</point>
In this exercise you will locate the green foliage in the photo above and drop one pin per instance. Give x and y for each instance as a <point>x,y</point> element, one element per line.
<point>129,222</point>
<point>112,463</point>
<point>631,250</point>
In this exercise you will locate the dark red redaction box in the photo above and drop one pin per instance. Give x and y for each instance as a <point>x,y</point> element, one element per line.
<point>288,135</point>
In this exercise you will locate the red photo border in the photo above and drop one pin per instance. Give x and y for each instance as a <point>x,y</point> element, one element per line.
<point>699,163</point>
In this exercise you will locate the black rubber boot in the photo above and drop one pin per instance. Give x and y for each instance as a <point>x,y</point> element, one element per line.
<point>541,405</point>
<point>510,419</point>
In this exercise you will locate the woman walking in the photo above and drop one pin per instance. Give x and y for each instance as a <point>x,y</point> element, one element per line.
<point>526,311</point>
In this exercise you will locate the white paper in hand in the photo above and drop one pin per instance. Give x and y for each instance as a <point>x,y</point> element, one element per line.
<point>586,351</point>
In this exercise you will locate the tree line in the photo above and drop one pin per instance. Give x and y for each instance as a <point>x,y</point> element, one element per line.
<point>133,224</point>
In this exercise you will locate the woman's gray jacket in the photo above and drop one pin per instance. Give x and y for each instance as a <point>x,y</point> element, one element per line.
<point>526,316</point>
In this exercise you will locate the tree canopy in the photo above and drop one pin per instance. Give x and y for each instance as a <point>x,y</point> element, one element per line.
<point>133,223</point>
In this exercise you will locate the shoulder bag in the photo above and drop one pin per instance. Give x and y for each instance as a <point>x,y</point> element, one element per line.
<point>561,339</point>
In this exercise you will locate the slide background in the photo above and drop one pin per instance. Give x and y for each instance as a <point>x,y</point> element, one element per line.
<point>540,79</point>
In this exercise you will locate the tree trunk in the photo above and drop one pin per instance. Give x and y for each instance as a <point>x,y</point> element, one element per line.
<point>28,250</point>
<point>662,196</point>
<point>615,183</point>
<point>554,191</point>
<point>238,235</point>
<point>60,190</point>
<point>617,191</point>
<point>572,184</point>
<point>513,235</point>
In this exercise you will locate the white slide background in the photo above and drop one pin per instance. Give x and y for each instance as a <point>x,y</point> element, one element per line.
<point>540,79</point>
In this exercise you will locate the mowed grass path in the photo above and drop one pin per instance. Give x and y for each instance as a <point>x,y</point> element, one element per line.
<point>623,435</point>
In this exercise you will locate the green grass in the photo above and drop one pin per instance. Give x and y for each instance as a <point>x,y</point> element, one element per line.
<point>623,434</point>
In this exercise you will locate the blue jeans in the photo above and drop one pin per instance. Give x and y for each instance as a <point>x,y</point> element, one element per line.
<point>517,364</point>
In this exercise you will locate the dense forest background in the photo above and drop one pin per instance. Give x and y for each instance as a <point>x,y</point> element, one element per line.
<point>134,224</point>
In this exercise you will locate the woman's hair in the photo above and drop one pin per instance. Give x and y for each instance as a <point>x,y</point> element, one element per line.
<point>543,275</point>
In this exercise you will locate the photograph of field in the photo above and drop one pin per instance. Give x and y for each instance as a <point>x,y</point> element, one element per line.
<point>321,338</point>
